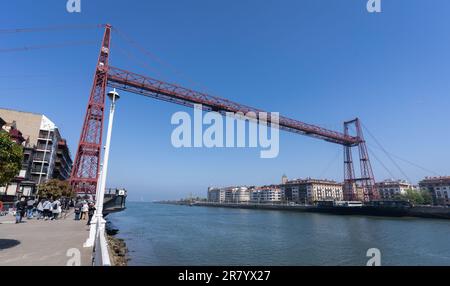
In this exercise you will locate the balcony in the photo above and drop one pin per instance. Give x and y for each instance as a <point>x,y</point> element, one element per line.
<point>41,159</point>
<point>39,170</point>
<point>50,140</point>
<point>45,134</point>
<point>42,148</point>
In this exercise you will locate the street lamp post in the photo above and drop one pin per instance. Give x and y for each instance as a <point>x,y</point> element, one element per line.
<point>97,222</point>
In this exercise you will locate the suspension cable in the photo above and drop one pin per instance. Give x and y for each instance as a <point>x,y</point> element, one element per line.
<point>412,163</point>
<point>127,38</point>
<point>50,46</point>
<point>386,153</point>
<point>136,61</point>
<point>381,163</point>
<point>328,166</point>
<point>51,28</point>
<point>416,165</point>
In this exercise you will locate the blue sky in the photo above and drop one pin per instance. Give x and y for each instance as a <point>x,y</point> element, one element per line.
<point>318,61</point>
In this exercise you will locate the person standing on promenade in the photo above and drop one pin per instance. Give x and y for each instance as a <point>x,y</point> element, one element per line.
<point>30,208</point>
<point>20,209</point>
<point>84,210</point>
<point>47,209</point>
<point>40,209</point>
<point>77,210</point>
<point>67,203</point>
<point>91,212</point>
<point>56,209</point>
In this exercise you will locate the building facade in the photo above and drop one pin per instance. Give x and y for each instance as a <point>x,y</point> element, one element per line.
<point>393,189</point>
<point>63,162</point>
<point>216,195</point>
<point>46,154</point>
<point>8,193</point>
<point>229,195</point>
<point>310,191</point>
<point>439,187</point>
<point>263,195</point>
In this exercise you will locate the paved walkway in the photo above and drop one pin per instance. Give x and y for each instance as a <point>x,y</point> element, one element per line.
<point>43,243</point>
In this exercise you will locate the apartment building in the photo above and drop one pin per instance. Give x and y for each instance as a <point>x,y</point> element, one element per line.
<point>266,194</point>
<point>19,183</point>
<point>439,187</point>
<point>46,154</point>
<point>392,189</point>
<point>310,191</point>
<point>229,195</point>
<point>216,195</point>
<point>63,162</point>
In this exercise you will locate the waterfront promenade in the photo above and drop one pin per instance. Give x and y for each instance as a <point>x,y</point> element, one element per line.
<point>42,243</point>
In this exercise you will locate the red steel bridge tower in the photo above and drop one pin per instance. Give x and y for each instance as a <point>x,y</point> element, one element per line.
<point>85,171</point>
<point>86,168</point>
<point>364,186</point>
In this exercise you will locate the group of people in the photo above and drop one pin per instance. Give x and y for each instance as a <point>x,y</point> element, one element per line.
<point>50,209</point>
<point>84,210</point>
<point>46,209</point>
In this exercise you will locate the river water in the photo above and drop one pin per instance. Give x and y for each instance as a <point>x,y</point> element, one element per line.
<point>171,235</point>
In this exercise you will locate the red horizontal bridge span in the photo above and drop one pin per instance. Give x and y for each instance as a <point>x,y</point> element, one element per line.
<point>135,83</point>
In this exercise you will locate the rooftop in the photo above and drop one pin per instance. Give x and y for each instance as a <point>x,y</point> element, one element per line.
<point>393,182</point>
<point>21,111</point>
<point>435,179</point>
<point>311,180</point>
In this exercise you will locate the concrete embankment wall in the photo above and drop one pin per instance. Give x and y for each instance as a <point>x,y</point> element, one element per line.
<point>430,212</point>
<point>419,211</point>
<point>259,206</point>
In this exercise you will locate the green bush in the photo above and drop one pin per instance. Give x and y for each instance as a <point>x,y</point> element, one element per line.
<point>422,197</point>
<point>11,157</point>
<point>56,189</point>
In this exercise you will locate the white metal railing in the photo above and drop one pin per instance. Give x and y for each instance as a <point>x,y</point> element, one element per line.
<point>101,253</point>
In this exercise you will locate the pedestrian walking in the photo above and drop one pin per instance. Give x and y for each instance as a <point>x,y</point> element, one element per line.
<point>47,209</point>
<point>77,210</point>
<point>91,212</point>
<point>40,209</point>
<point>84,210</point>
<point>66,203</point>
<point>21,206</point>
<point>56,209</point>
<point>30,208</point>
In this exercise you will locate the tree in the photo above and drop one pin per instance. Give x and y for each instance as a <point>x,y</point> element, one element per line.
<point>56,189</point>
<point>413,196</point>
<point>11,157</point>
<point>422,197</point>
<point>427,197</point>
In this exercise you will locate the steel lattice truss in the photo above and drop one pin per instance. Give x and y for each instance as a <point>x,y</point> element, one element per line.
<point>135,83</point>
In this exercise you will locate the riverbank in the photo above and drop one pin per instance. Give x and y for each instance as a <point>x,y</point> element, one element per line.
<point>44,243</point>
<point>118,249</point>
<point>383,211</point>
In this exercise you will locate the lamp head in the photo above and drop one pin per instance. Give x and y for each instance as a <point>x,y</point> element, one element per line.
<point>113,95</point>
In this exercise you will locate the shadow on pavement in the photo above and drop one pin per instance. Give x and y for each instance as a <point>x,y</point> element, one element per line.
<point>8,243</point>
